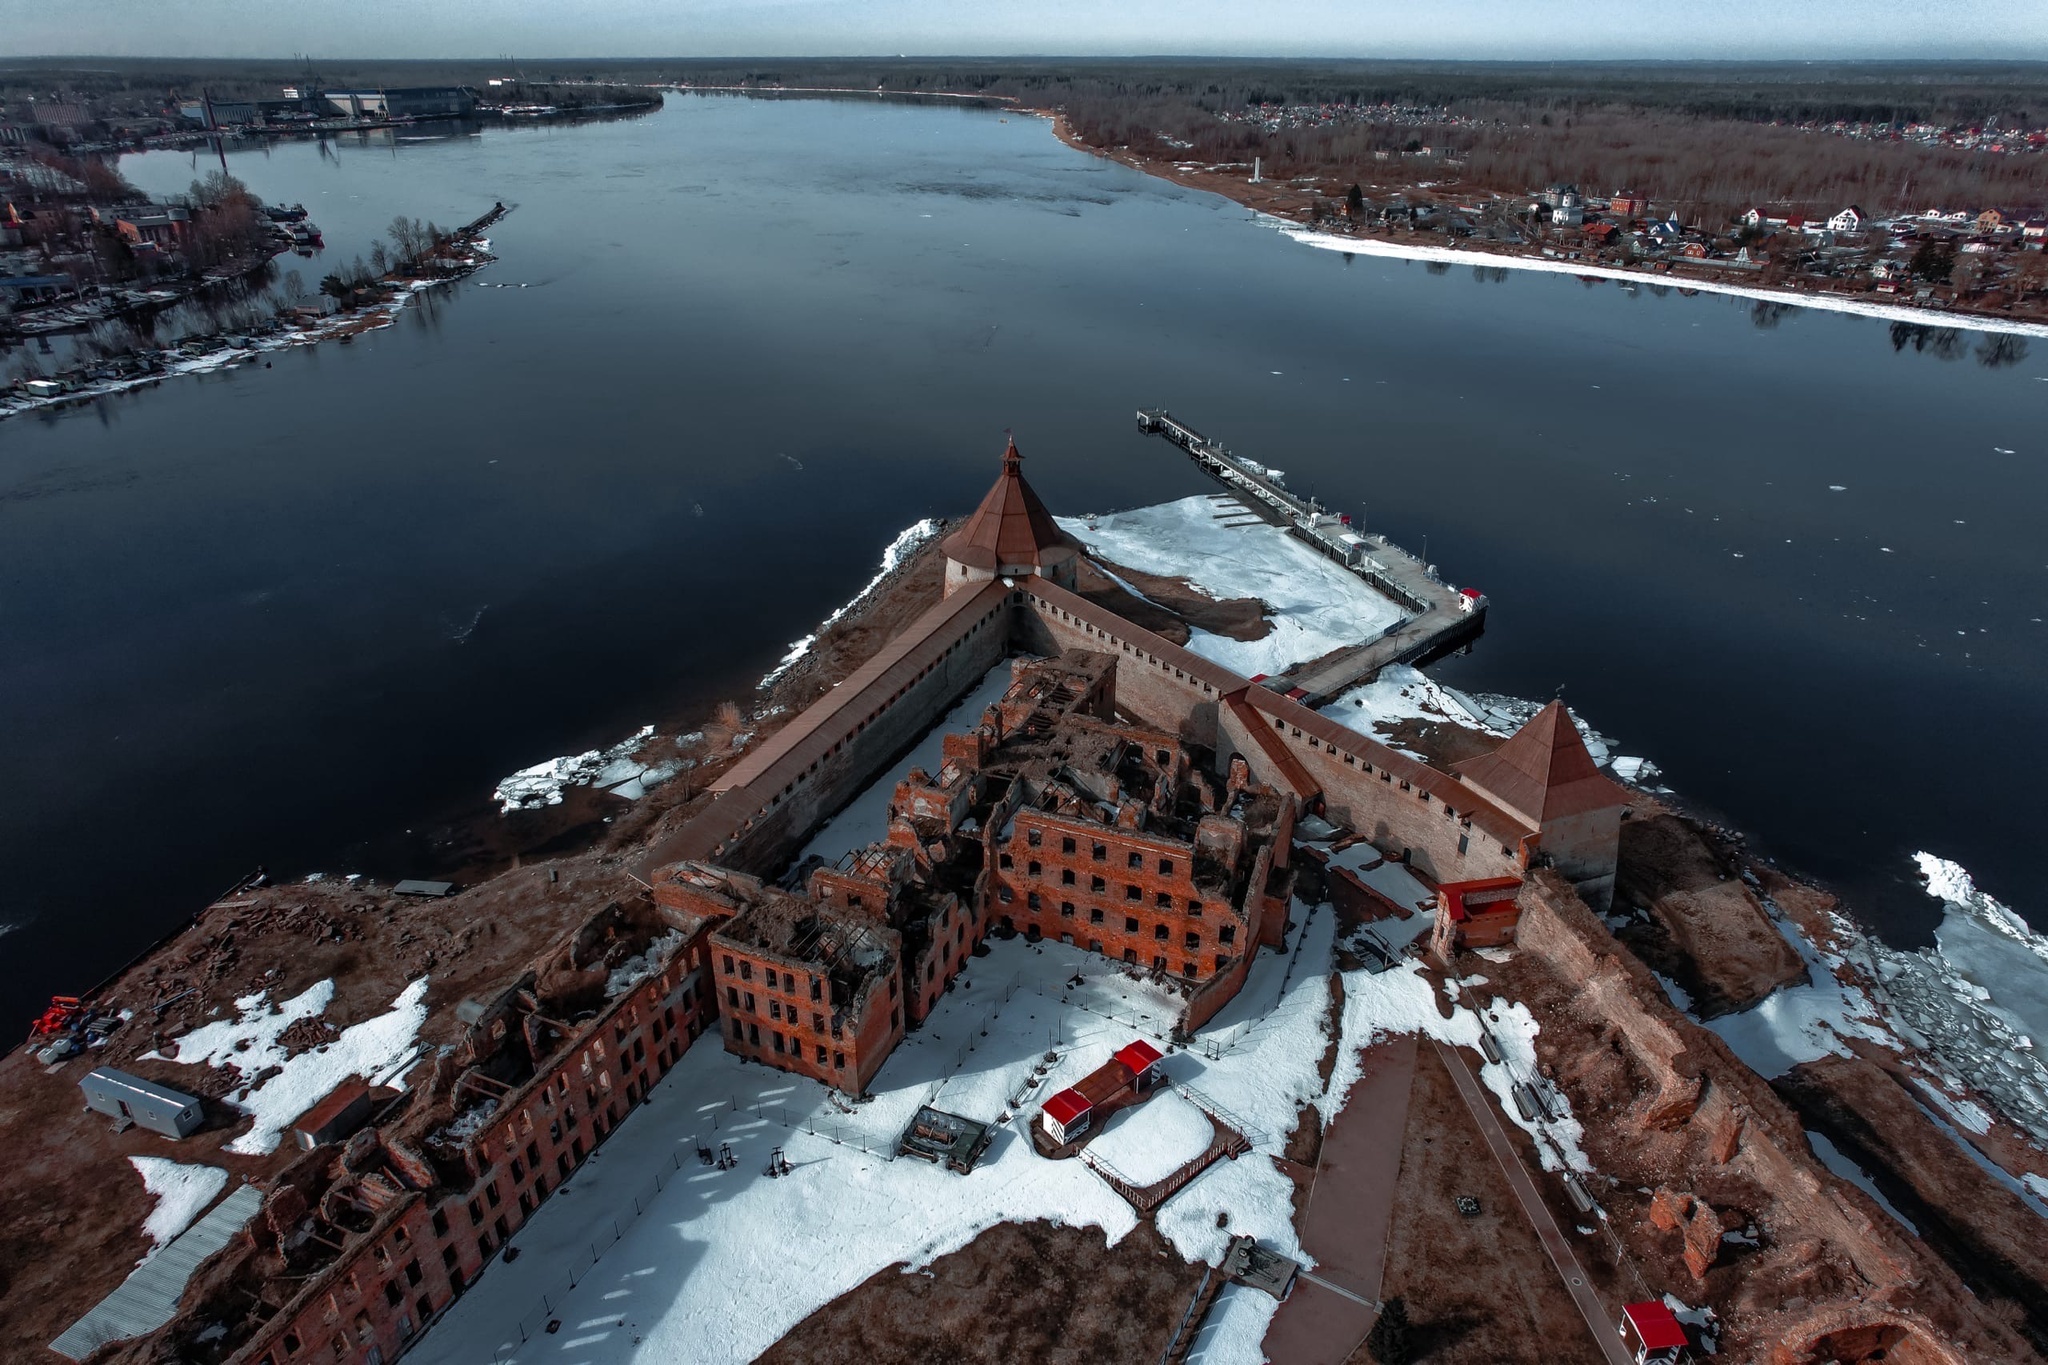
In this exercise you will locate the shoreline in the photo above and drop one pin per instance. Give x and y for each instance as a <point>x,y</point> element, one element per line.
<point>1388,248</point>
<point>1828,303</point>
<point>344,326</point>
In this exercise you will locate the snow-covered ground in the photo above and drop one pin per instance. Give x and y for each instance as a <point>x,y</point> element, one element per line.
<point>1401,692</point>
<point>1831,303</point>
<point>1150,1142</point>
<point>865,819</point>
<point>1315,606</point>
<point>278,1088</point>
<point>719,1264</point>
<point>182,1193</point>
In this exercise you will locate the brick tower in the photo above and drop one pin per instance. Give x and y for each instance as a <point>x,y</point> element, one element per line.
<point>1545,775</point>
<point>1010,535</point>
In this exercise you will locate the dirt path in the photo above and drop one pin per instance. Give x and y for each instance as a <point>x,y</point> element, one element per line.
<point>1598,1320</point>
<point>1350,1212</point>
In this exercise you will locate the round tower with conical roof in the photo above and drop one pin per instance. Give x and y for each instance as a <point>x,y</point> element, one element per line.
<point>1010,535</point>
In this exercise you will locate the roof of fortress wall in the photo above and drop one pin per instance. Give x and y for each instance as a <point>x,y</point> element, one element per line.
<point>1543,771</point>
<point>812,732</point>
<point>1010,527</point>
<point>1488,815</point>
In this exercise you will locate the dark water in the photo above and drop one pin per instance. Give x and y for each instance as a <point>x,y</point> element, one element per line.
<point>282,615</point>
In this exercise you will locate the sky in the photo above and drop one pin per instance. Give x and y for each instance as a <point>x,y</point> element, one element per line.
<point>1475,29</point>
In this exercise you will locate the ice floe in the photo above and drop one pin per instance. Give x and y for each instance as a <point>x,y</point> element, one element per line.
<point>615,770</point>
<point>1972,1005</point>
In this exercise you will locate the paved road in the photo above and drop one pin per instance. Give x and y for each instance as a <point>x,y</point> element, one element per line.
<point>1598,1320</point>
<point>1350,1212</point>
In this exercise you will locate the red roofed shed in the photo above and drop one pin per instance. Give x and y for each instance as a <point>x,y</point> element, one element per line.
<point>1066,1115</point>
<point>335,1117</point>
<point>1652,1332</point>
<point>1140,1057</point>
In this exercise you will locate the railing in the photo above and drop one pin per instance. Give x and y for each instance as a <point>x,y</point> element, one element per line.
<point>1219,1113</point>
<point>1190,1318</point>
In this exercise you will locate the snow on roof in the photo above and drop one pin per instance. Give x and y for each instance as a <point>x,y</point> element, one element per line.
<point>1315,605</point>
<point>1150,1141</point>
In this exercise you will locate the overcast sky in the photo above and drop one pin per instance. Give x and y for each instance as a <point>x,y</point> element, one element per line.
<point>1365,28</point>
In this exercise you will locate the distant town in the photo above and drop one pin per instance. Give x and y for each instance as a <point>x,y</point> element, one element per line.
<point>102,288</point>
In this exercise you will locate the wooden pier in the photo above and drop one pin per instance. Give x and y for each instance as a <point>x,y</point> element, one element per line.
<point>1437,618</point>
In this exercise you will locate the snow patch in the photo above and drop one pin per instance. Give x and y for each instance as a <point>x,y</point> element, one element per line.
<point>1149,1142</point>
<point>181,1191</point>
<point>1315,606</point>
<point>638,968</point>
<point>1832,1158</point>
<point>248,1045</point>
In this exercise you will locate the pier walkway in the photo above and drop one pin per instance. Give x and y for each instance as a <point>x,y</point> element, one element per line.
<point>1437,617</point>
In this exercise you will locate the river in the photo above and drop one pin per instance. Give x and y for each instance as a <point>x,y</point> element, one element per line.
<point>285,615</point>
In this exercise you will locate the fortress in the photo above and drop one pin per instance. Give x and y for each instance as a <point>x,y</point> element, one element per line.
<point>1126,795</point>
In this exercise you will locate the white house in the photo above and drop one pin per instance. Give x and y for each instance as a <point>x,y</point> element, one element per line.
<point>1848,220</point>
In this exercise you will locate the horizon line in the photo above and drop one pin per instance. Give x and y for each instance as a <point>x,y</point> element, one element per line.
<point>1917,60</point>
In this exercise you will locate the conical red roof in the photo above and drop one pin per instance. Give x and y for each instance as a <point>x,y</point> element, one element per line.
<point>1543,772</point>
<point>1011,527</point>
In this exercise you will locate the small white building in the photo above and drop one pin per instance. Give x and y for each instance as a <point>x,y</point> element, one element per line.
<point>1848,220</point>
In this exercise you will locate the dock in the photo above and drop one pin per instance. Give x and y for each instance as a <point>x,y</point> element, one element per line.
<point>1437,618</point>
